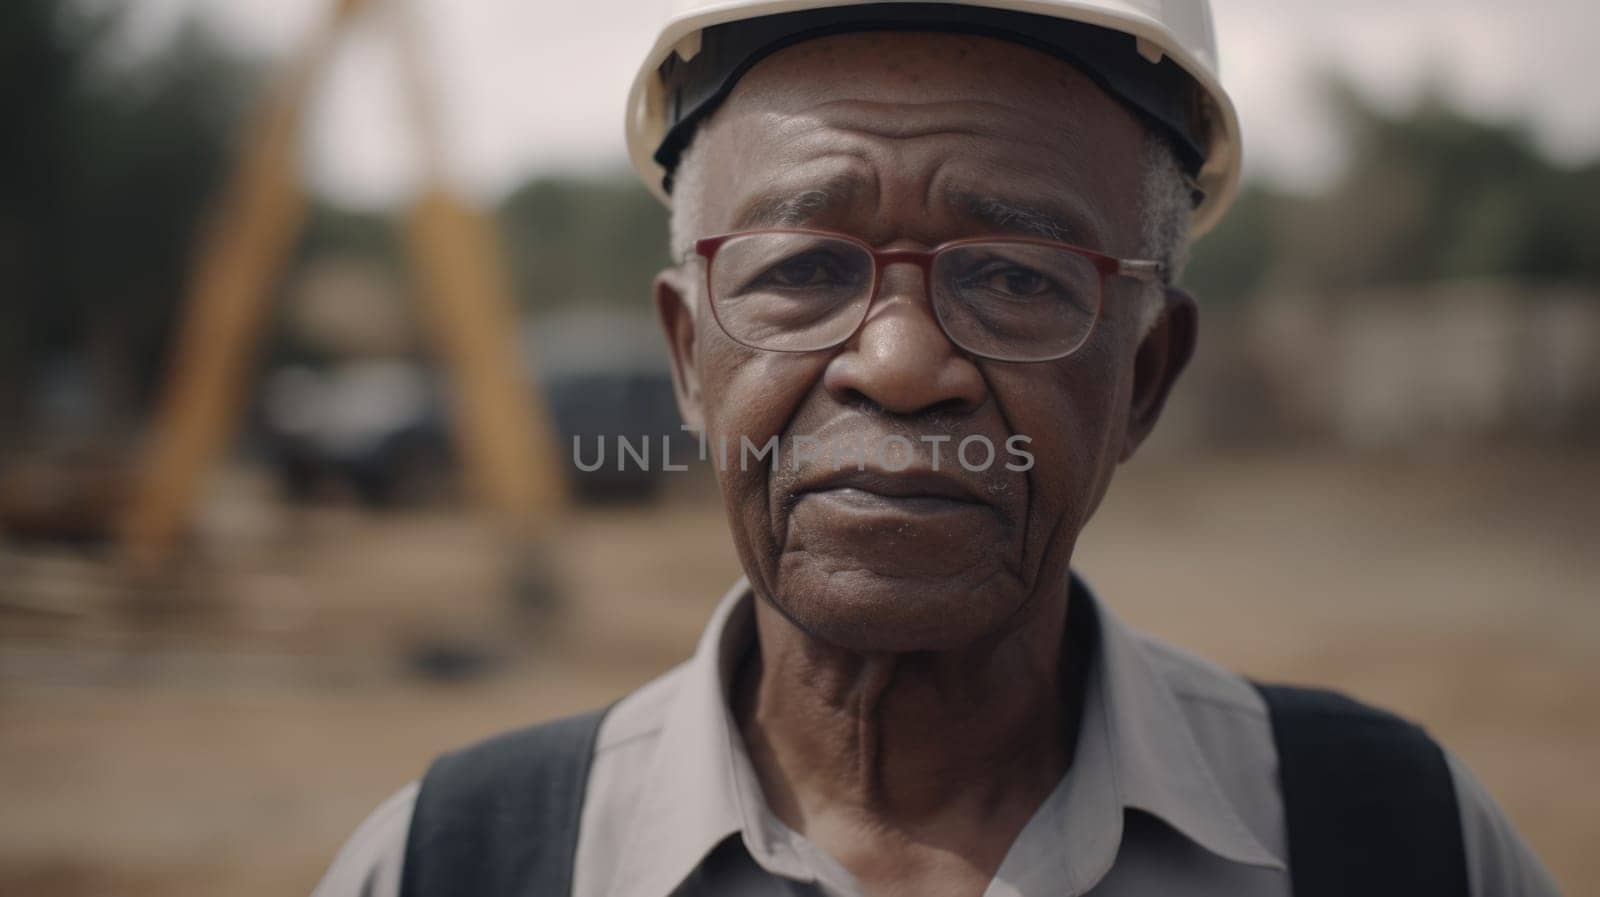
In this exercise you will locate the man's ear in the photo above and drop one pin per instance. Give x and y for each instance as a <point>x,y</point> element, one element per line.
<point>674,307</point>
<point>1161,356</point>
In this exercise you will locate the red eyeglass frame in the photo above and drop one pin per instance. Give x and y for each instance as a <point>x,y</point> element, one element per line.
<point>1143,270</point>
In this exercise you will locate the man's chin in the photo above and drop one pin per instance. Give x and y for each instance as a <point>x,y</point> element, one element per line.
<point>871,611</point>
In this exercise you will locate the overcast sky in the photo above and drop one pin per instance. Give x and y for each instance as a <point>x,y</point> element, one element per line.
<point>538,85</point>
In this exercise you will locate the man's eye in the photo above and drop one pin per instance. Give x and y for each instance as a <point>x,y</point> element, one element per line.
<point>811,270</point>
<point>1012,281</point>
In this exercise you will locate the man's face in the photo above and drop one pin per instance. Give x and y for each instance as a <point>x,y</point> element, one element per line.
<point>908,141</point>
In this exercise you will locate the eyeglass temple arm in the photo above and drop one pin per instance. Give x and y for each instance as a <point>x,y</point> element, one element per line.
<point>1141,270</point>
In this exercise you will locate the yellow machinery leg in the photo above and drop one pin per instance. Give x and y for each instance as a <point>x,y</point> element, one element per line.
<point>246,242</point>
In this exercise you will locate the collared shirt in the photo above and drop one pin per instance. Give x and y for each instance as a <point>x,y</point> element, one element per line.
<point>1172,790</point>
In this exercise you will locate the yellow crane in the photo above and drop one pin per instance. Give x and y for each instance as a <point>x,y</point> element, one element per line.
<point>459,266</point>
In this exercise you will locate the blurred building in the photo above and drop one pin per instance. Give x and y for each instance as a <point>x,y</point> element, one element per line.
<point>1456,365</point>
<point>1447,363</point>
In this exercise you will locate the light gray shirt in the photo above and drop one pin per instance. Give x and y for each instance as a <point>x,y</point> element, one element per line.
<point>1172,790</point>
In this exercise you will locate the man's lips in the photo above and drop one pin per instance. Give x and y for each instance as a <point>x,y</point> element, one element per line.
<point>908,487</point>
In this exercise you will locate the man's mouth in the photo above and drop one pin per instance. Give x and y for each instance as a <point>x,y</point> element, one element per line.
<point>909,491</point>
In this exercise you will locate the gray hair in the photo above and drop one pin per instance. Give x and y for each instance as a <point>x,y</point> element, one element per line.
<point>688,180</point>
<point>1165,206</point>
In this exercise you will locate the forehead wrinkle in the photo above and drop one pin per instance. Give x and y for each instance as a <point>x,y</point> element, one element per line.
<point>1046,198</point>
<point>970,118</point>
<point>1063,214</point>
<point>907,119</point>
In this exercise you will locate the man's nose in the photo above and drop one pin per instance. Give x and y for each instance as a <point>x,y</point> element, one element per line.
<point>900,360</point>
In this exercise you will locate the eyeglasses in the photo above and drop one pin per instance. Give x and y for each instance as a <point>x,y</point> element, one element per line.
<point>1003,298</point>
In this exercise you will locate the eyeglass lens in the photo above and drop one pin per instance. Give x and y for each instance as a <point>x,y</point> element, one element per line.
<point>800,292</point>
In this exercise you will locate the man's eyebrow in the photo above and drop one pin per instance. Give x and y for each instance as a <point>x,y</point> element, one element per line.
<point>1030,219</point>
<point>797,209</point>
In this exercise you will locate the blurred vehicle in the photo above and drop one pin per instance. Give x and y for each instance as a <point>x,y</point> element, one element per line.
<point>606,380</point>
<point>595,410</point>
<point>381,430</point>
<point>375,428</point>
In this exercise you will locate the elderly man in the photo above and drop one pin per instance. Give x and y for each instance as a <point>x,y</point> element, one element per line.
<point>911,229</point>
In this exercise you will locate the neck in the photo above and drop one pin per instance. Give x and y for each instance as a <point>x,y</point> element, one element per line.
<point>910,740</point>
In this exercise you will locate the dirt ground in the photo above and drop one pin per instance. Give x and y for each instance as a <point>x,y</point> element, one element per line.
<point>227,743</point>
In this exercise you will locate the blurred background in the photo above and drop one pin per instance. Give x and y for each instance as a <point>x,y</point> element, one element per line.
<point>300,314</point>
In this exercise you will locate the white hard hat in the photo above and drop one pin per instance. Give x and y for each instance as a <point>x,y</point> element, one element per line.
<point>1163,30</point>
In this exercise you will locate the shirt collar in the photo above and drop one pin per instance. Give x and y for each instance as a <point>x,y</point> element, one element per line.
<point>1135,751</point>
<point>1158,763</point>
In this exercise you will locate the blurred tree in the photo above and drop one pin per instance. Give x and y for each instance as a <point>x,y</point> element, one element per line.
<point>104,173</point>
<point>577,240</point>
<point>1231,264</point>
<point>1427,194</point>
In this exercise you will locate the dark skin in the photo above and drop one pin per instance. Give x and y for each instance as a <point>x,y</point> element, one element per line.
<point>907,709</point>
